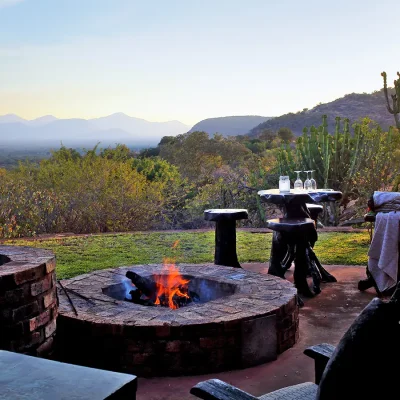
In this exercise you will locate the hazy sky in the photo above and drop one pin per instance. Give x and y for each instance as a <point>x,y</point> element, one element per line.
<point>191,59</point>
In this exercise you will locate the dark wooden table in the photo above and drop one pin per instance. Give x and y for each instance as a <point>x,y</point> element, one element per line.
<point>294,205</point>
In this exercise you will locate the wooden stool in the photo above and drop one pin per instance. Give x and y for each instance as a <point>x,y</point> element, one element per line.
<point>291,225</point>
<point>315,210</point>
<point>225,234</point>
<point>293,237</point>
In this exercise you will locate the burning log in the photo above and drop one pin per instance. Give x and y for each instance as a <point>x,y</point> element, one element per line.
<point>169,293</point>
<point>145,285</point>
<point>138,298</point>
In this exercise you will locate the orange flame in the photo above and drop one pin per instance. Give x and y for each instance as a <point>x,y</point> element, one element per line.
<point>170,284</point>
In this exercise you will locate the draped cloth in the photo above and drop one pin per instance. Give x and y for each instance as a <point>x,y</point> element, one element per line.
<point>386,201</point>
<point>383,254</point>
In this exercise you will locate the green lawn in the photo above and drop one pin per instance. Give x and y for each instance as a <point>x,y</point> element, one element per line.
<point>81,254</point>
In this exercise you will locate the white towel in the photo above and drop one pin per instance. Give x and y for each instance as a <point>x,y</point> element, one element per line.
<point>380,198</point>
<point>384,250</point>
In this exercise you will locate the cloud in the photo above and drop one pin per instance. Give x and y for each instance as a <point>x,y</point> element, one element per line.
<point>7,3</point>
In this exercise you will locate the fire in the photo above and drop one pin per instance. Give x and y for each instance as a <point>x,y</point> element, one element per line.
<point>171,286</point>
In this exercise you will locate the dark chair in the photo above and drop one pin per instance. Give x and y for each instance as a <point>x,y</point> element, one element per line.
<point>225,234</point>
<point>360,367</point>
<point>369,282</point>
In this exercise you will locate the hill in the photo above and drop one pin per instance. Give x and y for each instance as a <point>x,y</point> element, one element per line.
<point>353,106</point>
<point>229,126</point>
<point>74,132</point>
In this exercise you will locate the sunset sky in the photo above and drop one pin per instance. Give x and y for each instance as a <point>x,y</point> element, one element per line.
<point>188,60</point>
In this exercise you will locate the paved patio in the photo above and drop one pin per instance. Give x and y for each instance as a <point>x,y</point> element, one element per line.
<point>323,319</point>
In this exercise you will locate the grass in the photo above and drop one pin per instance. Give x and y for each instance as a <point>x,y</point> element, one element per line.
<point>80,254</point>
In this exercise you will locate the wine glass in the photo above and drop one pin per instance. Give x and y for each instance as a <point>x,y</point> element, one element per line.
<point>307,182</point>
<point>313,181</point>
<point>298,184</point>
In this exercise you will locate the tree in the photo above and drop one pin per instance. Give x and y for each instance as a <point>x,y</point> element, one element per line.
<point>285,134</point>
<point>268,136</point>
<point>195,154</point>
<point>120,153</point>
<point>166,140</point>
<point>150,152</point>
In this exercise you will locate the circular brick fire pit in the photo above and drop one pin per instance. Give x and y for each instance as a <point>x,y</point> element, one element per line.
<point>243,319</point>
<point>28,301</point>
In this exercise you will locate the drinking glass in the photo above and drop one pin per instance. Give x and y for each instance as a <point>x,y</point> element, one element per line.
<point>284,184</point>
<point>298,184</point>
<point>307,182</point>
<point>313,181</point>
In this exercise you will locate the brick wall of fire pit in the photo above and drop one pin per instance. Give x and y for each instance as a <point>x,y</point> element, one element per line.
<point>246,319</point>
<point>28,300</point>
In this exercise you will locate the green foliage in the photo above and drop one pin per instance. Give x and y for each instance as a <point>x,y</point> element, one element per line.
<point>156,169</point>
<point>86,193</point>
<point>285,134</point>
<point>196,155</point>
<point>119,153</point>
<point>150,152</point>
<point>265,141</point>
<point>81,254</point>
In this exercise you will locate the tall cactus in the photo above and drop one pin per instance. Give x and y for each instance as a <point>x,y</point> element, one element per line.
<point>393,108</point>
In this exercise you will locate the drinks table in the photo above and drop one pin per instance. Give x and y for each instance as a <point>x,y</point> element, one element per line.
<point>287,245</point>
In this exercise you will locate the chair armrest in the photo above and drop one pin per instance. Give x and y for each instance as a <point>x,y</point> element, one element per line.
<point>215,389</point>
<point>321,353</point>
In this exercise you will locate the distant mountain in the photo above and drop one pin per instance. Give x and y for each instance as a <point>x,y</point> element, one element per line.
<point>353,106</point>
<point>10,118</point>
<point>41,120</point>
<point>229,126</point>
<point>116,128</point>
<point>134,125</point>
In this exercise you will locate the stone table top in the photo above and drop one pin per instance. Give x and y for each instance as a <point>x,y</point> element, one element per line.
<point>296,196</point>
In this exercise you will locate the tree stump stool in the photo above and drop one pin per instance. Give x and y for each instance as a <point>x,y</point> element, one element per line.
<point>225,234</point>
<point>314,210</point>
<point>294,239</point>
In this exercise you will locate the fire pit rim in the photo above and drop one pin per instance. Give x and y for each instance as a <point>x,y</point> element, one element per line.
<point>22,259</point>
<point>253,298</point>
